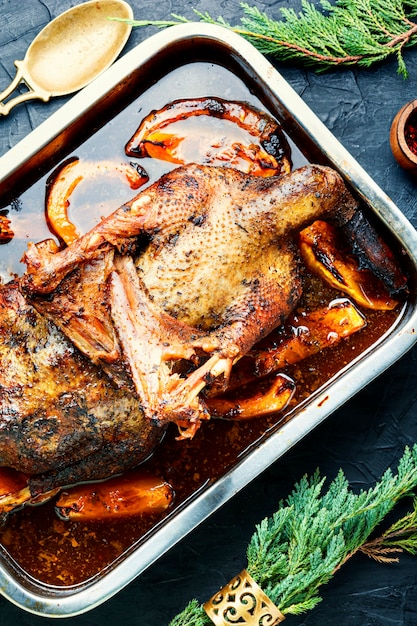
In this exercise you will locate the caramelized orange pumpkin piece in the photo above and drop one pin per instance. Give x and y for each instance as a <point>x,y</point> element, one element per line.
<point>304,335</point>
<point>273,400</point>
<point>248,138</point>
<point>15,493</point>
<point>311,333</point>
<point>67,177</point>
<point>131,494</point>
<point>323,254</point>
<point>13,489</point>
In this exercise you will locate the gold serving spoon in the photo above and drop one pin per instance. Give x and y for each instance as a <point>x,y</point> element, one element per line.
<point>70,51</point>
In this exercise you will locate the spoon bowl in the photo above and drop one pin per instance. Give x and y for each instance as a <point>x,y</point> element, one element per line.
<point>71,51</point>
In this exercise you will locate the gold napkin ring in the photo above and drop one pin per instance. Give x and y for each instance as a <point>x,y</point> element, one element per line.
<point>242,602</point>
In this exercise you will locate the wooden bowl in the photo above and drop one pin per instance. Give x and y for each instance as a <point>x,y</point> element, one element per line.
<point>398,142</point>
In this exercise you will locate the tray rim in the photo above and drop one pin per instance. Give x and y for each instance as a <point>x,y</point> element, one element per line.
<point>71,601</point>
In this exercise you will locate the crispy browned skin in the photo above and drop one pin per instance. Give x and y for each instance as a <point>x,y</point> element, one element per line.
<point>220,261</point>
<point>61,420</point>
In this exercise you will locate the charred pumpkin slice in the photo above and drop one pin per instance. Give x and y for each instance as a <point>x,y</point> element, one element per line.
<point>15,492</point>
<point>66,178</point>
<point>233,133</point>
<point>303,335</point>
<point>134,493</point>
<point>272,400</point>
<point>323,254</point>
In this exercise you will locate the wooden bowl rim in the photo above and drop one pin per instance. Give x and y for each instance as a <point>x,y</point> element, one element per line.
<point>404,155</point>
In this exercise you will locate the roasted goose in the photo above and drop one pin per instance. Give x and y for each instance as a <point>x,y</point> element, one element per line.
<point>61,419</point>
<point>217,271</point>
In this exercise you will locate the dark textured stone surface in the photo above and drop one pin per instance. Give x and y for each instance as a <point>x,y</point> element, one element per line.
<point>363,437</point>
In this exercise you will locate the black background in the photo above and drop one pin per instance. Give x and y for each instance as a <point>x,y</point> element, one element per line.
<point>364,437</point>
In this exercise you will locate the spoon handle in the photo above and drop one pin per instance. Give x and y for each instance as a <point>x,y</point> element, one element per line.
<point>32,93</point>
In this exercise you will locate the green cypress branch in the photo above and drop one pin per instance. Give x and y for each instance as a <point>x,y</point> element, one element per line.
<point>400,537</point>
<point>346,33</point>
<point>313,533</point>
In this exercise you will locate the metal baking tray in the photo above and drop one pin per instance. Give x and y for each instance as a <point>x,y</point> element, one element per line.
<point>144,69</point>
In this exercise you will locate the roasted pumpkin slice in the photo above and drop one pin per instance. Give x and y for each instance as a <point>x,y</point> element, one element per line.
<point>64,180</point>
<point>323,254</point>
<point>131,494</point>
<point>13,489</point>
<point>233,133</point>
<point>263,402</point>
<point>15,493</point>
<point>311,333</point>
<point>304,334</point>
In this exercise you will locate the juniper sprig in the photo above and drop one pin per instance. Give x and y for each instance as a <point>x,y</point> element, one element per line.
<point>314,532</point>
<point>343,33</point>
